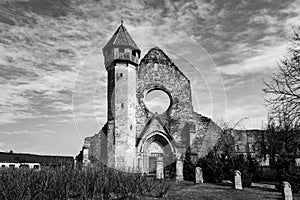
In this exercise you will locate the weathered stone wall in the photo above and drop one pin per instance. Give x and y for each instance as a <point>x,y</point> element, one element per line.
<point>157,71</point>
<point>206,136</point>
<point>110,116</point>
<point>186,127</point>
<point>247,141</point>
<point>125,101</point>
<point>130,122</point>
<point>96,146</point>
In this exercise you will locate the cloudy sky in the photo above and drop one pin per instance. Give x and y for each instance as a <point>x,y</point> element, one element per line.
<point>53,81</point>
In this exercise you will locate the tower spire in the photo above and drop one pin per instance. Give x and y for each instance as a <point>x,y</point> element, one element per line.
<point>121,46</point>
<point>122,21</point>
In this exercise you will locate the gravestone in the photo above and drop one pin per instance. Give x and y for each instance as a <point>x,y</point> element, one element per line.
<point>287,191</point>
<point>237,180</point>
<point>179,170</point>
<point>85,155</point>
<point>160,168</point>
<point>199,175</point>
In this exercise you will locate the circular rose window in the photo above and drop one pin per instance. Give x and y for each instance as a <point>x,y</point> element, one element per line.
<point>157,101</point>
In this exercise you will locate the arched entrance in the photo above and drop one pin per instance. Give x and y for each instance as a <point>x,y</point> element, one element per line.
<point>155,150</point>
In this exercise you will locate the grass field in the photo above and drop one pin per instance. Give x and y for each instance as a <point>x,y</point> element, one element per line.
<point>104,183</point>
<point>206,191</point>
<point>92,183</point>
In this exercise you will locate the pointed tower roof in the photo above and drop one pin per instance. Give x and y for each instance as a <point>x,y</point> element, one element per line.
<point>121,38</point>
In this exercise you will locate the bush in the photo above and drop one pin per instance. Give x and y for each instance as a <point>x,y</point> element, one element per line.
<point>217,167</point>
<point>65,183</point>
<point>241,164</point>
<point>212,168</point>
<point>267,173</point>
<point>253,167</point>
<point>188,167</point>
<point>248,167</point>
<point>286,170</point>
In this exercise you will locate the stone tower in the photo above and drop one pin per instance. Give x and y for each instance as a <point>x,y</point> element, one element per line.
<point>121,57</point>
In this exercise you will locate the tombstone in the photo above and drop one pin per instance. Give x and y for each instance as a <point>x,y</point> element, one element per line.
<point>287,191</point>
<point>160,167</point>
<point>237,180</point>
<point>199,175</point>
<point>85,155</point>
<point>179,170</point>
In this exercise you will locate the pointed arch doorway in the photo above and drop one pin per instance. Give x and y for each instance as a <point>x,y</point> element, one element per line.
<point>155,148</point>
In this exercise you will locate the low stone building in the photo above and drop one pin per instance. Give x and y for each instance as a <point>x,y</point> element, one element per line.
<point>247,141</point>
<point>134,136</point>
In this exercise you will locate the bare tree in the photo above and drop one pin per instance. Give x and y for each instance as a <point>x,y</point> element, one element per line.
<point>283,89</point>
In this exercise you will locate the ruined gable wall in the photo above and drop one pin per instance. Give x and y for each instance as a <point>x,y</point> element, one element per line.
<point>156,71</point>
<point>186,127</point>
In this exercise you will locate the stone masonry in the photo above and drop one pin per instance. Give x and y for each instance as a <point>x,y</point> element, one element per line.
<point>131,129</point>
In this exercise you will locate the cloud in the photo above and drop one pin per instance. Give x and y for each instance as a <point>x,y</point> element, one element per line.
<point>52,50</point>
<point>48,94</point>
<point>26,132</point>
<point>51,64</point>
<point>293,11</point>
<point>1,146</point>
<point>265,60</point>
<point>250,107</point>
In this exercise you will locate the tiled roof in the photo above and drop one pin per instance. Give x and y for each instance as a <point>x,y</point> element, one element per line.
<point>121,38</point>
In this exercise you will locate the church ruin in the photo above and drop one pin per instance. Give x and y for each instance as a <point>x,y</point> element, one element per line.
<point>135,138</point>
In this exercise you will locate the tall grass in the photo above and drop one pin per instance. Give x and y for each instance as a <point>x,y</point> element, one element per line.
<point>70,184</point>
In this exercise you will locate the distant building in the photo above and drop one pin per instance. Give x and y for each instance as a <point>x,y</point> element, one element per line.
<point>247,141</point>
<point>42,160</point>
<point>250,142</point>
<point>35,166</point>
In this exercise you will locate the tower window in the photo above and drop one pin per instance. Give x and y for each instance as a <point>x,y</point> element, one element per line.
<point>131,127</point>
<point>237,147</point>
<point>116,53</point>
<point>122,105</point>
<point>155,66</point>
<point>121,75</point>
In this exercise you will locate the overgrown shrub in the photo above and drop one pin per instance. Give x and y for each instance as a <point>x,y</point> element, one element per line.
<point>218,167</point>
<point>92,183</point>
<point>246,165</point>
<point>281,143</point>
<point>286,170</point>
<point>188,167</point>
<point>212,167</point>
